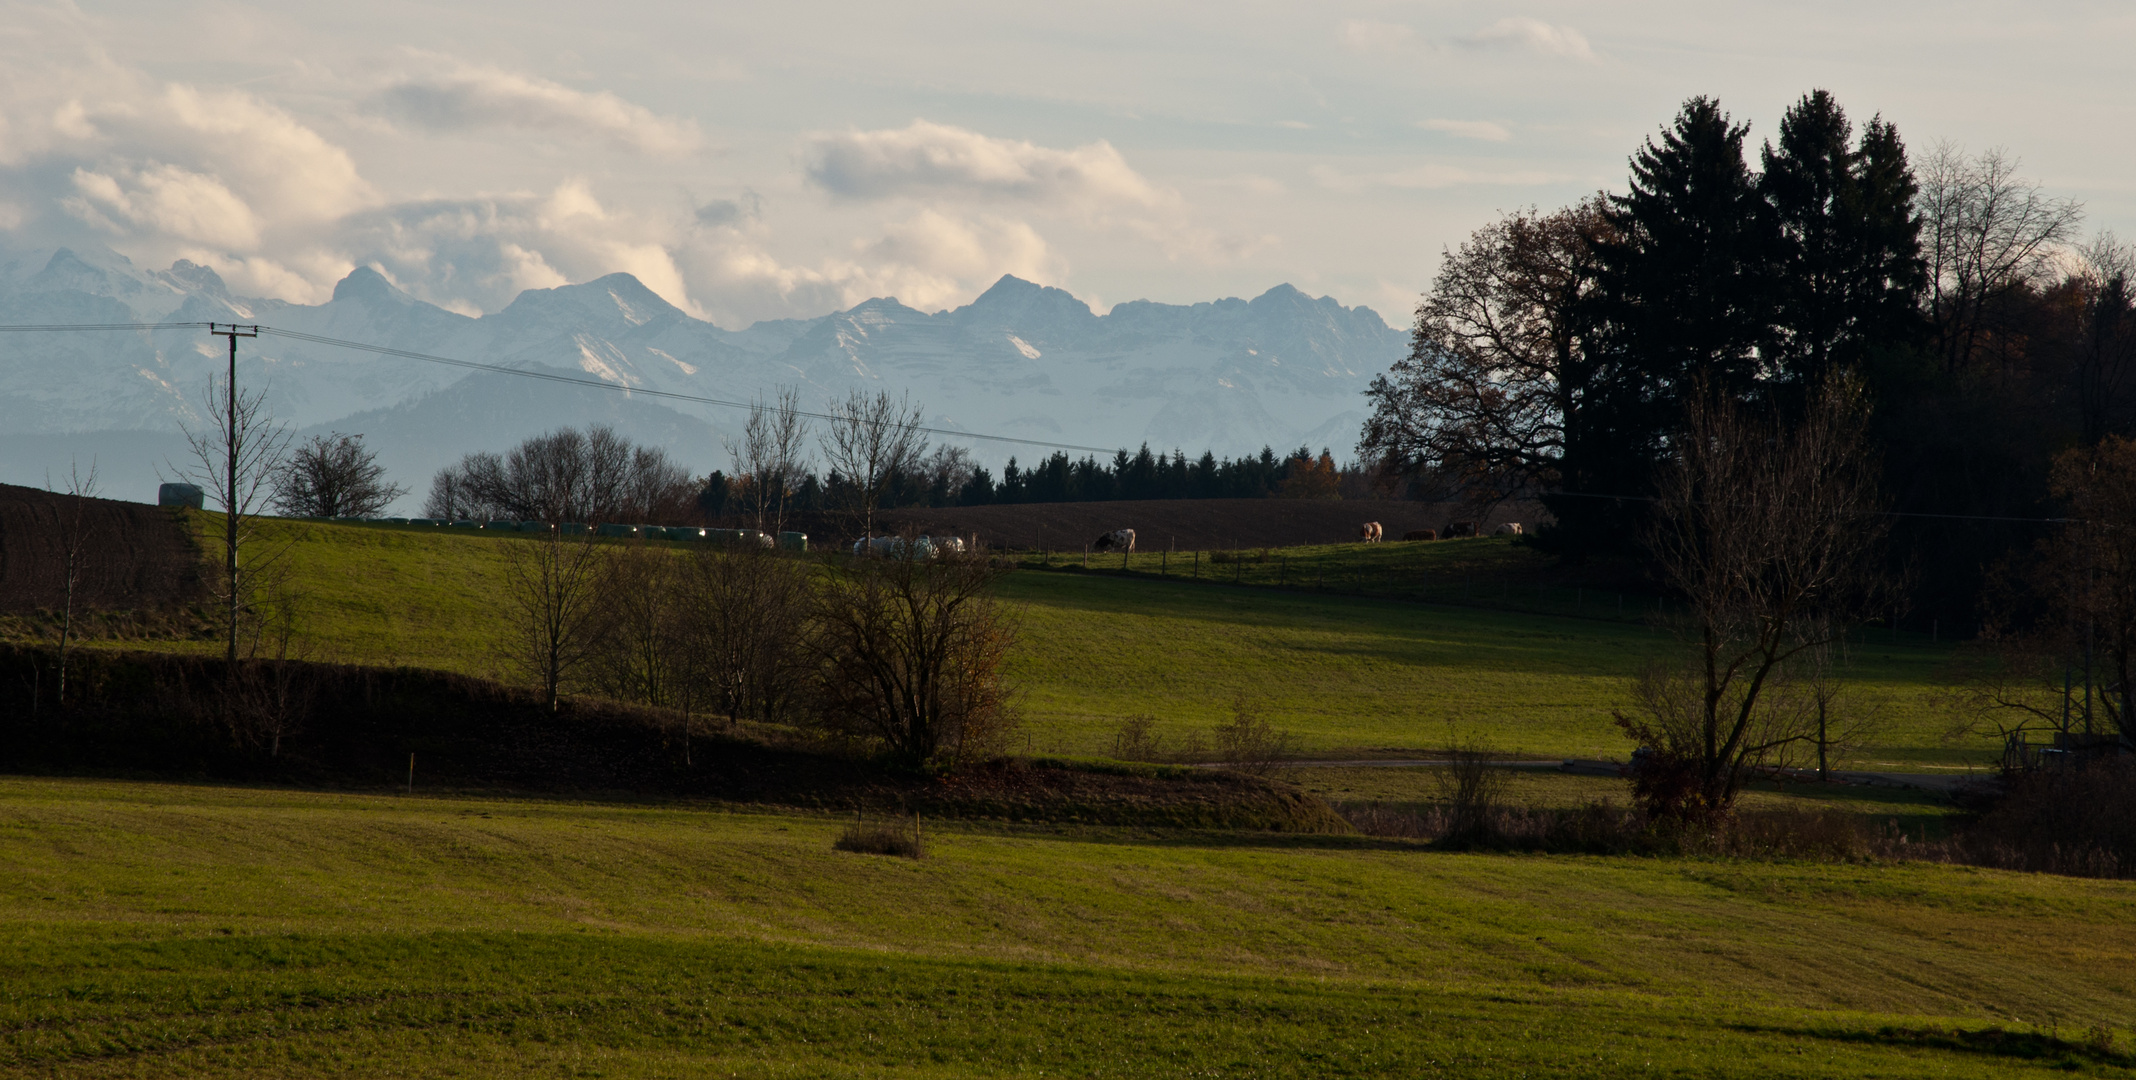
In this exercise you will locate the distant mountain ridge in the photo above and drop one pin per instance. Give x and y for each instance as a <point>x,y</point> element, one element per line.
<point>1022,360</point>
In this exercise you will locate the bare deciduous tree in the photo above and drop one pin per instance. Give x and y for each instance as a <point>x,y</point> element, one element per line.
<point>1988,233</point>
<point>75,527</point>
<point>770,458</point>
<point>2072,667</point>
<point>234,460</point>
<point>566,475</point>
<point>910,652</point>
<point>271,695</point>
<point>745,614</point>
<point>333,476</point>
<point>2104,285</point>
<point>552,592</point>
<point>637,641</point>
<point>1498,360</point>
<point>871,440</point>
<point>1771,535</point>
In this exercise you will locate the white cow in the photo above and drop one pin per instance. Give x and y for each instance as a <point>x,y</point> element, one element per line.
<point>1116,540</point>
<point>1510,528</point>
<point>896,547</point>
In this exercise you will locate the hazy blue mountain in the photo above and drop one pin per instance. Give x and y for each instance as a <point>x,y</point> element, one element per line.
<point>1021,360</point>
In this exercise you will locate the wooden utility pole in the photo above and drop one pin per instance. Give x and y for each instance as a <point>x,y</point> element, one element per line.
<point>231,450</point>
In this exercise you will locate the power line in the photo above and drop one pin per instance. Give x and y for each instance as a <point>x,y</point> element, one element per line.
<point>546,376</point>
<point>48,327</point>
<point>551,376</point>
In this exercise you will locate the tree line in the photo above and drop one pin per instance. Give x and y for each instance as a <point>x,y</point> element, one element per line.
<point>1806,396</point>
<point>1556,352</point>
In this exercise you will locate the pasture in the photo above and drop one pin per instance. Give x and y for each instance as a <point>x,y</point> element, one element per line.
<point>1347,673</point>
<point>160,930</point>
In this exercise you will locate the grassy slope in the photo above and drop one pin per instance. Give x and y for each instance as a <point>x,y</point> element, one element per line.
<point>1343,672</point>
<point>152,930</point>
<point>1348,672</point>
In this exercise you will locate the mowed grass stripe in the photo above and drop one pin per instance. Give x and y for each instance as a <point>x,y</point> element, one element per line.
<point>97,861</point>
<point>580,1005</point>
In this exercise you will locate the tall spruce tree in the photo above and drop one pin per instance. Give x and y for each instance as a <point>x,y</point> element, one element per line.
<point>1849,254</point>
<point>1684,297</point>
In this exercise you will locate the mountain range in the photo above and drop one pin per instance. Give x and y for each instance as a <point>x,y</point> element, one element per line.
<point>1022,360</point>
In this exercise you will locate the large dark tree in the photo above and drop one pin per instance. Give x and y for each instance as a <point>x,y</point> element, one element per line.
<point>1848,264</point>
<point>1499,362</point>
<point>1684,292</point>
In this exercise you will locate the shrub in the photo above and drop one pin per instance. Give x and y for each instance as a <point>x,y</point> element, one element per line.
<point>1136,739</point>
<point>1249,743</point>
<point>2079,821</point>
<point>1470,791</point>
<point>881,838</point>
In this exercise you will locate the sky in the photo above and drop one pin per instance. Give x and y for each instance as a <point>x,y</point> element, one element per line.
<point>753,161</point>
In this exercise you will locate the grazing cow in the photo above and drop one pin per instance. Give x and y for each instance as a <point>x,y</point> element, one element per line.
<point>1421,534</point>
<point>1460,528</point>
<point>1369,532</point>
<point>1116,540</point>
<point>1510,528</point>
<point>898,547</point>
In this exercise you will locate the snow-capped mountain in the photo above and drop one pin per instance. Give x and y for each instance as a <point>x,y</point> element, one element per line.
<point>1022,360</point>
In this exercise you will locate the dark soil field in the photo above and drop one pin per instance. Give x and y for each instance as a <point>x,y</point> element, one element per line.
<point>136,556</point>
<point>1187,524</point>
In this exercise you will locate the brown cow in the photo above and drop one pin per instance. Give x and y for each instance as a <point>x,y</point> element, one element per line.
<point>1369,532</point>
<point>1421,534</point>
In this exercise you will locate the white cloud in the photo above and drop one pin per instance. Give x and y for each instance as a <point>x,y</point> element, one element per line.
<point>931,260</point>
<point>1429,178</point>
<point>168,200</point>
<point>1531,35</point>
<point>936,159</point>
<point>471,98</point>
<point>1482,130</point>
<point>485,251</point>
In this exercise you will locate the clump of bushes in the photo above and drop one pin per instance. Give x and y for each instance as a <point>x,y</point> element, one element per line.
<point>1246,743</point>
<point>2077,821</point>
<point>1607,828</point>
<point>881,838</point>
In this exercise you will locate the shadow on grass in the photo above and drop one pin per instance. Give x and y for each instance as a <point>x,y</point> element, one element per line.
<point>2045,1047</point>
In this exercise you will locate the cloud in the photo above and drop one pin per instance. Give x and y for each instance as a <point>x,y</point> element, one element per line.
<point>1531,35</point>
<point>1369,37</point>
<point>165,199</point>
<point>479,253</point>
<point>475,98</point>
<point>1429,178</point>
<point>1482,130</point>
<point>926,159</point>
<point>720,213</point>
<point>931,260</point>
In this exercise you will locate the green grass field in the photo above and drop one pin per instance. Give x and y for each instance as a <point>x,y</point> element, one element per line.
<point>155,930</point>
<point>1348,674</point>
